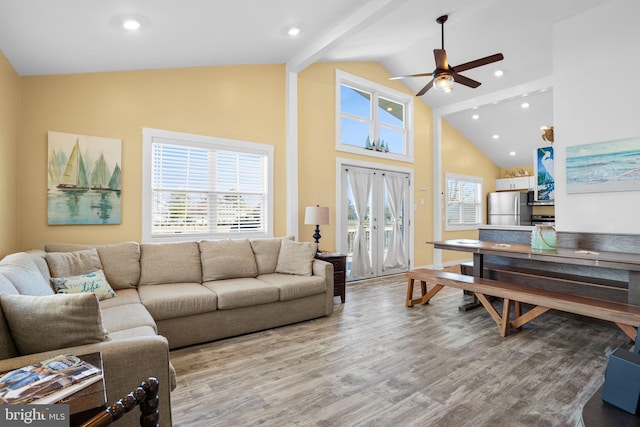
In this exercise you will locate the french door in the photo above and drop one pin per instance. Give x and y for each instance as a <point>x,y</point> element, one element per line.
<point>375,221</point>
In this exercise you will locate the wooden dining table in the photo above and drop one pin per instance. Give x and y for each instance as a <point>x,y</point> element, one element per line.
<point>629,262</point>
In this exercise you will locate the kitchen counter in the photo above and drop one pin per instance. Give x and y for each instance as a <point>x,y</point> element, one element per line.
<point>506,227</point>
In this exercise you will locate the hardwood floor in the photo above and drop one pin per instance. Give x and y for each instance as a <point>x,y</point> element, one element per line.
<point>375,362</point>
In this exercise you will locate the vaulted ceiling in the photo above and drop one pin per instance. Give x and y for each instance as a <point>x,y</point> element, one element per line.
<point>74,36</point>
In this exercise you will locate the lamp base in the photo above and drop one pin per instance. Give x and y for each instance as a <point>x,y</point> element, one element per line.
<point>317,238</point>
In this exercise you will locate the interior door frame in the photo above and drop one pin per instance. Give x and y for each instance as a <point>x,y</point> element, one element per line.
<point>344,162</point>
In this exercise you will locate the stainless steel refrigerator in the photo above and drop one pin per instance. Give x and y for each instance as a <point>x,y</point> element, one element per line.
<point>508,208</point>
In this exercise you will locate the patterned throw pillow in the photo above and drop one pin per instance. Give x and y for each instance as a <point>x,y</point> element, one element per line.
<point>94,282</point>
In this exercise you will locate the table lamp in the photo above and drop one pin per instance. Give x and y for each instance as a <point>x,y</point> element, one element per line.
<point>319,216</point>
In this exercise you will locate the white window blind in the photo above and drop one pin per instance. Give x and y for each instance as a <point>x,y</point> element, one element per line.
<point>206,190</point>
<point>464,202</point>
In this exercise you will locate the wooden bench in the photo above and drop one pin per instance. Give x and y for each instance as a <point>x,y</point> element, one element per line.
<point>625,316</point>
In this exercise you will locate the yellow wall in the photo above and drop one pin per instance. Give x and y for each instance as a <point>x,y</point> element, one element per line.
<point>9,108</point>
<point>317,153</point>
<point>238,102</point>
<point>461,157</point>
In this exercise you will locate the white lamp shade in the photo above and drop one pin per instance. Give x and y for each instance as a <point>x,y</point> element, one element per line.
<point>318,215</point>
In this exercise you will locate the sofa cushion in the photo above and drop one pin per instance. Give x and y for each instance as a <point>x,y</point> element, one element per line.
<point>296,257</point>
<point>128,316</point>
<point>66,264</point>
<point>139,331</point>
<point>177,300</point>
<point>170,263</point>
<point>24,274</point>
<point>266,252</point>
<point>91,282</point>
<point>6,287</point>
<point>293,286</point>
<point>37,256</point>
<point>227,259</point>
<point>123,297</point>
<point>7,345</point>
<point>243,292</point>
<point>43,323</point>
<point>120,261</point>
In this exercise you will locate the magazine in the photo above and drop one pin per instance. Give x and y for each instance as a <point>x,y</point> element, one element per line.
<point>48,381</point>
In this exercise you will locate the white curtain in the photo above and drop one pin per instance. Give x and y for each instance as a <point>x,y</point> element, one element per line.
<point>396,188</point>
<point>360,184</point>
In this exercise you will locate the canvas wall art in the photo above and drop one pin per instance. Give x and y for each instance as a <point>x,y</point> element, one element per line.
<point>544,173</point>
<point>84,179</point>
<point>604,166</point>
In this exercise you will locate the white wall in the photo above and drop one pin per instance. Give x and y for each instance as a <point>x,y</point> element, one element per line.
<point>588,48</point>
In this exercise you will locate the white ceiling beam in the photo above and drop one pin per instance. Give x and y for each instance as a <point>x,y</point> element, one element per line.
<point>366,15</point>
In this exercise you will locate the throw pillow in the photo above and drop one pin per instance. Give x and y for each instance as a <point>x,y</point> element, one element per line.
<point>266,252</point>
<point>120,261</point>
<point>64,264</point>
<point>227,259</point>
<point>296,257</point>
<point>94,282</point>
<point>43,323</point>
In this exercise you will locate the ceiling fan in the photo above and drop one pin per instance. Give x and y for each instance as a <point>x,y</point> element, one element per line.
<point>444,75</point>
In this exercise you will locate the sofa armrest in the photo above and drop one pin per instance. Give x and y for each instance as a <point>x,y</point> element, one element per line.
<point>126,363</point>
<point>325,269</point>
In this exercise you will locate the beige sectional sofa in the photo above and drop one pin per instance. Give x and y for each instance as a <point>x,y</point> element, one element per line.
<point>167,295</point>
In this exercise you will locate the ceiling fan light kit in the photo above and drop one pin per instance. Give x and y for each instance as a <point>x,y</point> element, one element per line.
<point>445,75</point>
<point>443,82</point>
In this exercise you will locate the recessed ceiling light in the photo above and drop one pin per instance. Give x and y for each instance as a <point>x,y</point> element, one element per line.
<point>294,31</point>
<point>496,136</point>
<point>498,73</point>
<point>131,24</point>
<point>475,117</point>
<point>525,105</point>
<point>389,109</point>
<point>512,153</point>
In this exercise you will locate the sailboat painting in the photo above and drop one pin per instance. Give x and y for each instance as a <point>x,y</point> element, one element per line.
<point>84,179</point>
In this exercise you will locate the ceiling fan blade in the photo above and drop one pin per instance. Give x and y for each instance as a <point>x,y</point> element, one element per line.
<point>441,59</point>
<point>406,76</point>
<point>478,62</point>
<point>465,81</point>
<point>425,89</point>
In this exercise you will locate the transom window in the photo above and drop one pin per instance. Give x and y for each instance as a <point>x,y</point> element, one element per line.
<point>372,119</point>
<point>464,202</point>
<point>198,187</point>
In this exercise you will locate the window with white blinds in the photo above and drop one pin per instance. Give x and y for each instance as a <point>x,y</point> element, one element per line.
<point>464,204</point>
<point>201,187</point>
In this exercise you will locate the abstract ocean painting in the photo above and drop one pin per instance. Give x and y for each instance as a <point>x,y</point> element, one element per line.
<point>84,179</point>
<point>604,166</point>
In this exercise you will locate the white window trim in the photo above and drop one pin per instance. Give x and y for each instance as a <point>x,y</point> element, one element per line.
<point>402,98</point>
<point>467,178</point>
<point>148,137</point>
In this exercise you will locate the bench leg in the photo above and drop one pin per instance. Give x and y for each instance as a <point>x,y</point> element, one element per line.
<point>426,295</point>
<point>517,311</point>
<point>504,325</point>
<point>630,331</point>
<point>409,301</point>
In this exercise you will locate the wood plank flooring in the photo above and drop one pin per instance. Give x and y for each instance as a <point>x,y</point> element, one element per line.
<point>375,362</point>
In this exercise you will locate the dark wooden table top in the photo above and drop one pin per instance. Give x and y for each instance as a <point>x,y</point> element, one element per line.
<point>616,260</point>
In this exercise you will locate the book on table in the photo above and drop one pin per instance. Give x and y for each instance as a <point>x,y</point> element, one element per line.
<point>48,381</point>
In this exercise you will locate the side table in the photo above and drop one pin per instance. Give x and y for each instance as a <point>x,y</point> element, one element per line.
<point>339,262</point>
<point>89,401</point>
